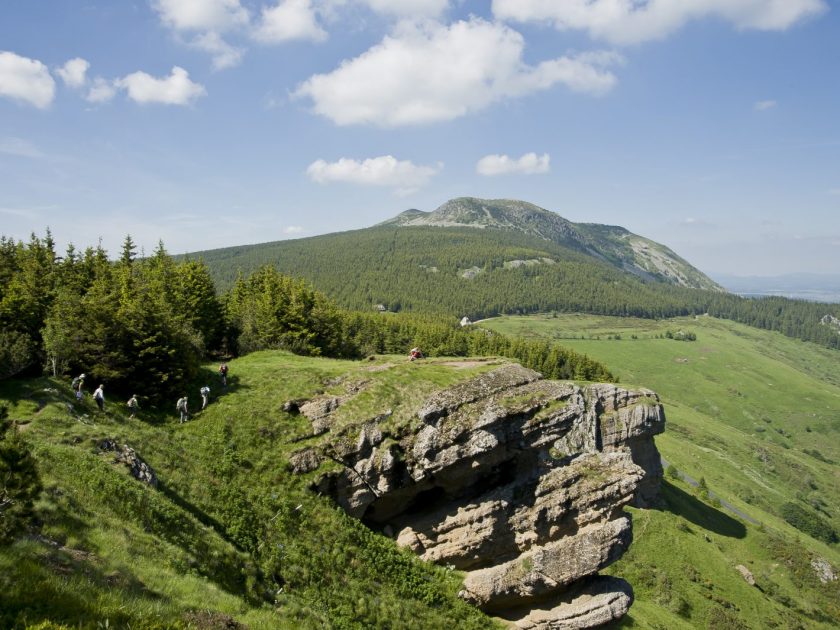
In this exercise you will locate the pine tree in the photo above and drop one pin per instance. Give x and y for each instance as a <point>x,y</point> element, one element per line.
<point>19,481</point>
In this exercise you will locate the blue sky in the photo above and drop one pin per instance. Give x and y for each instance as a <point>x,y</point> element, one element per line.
<point>712,126</point>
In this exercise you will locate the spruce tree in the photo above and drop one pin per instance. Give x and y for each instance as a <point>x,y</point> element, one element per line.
<point>19,481</point>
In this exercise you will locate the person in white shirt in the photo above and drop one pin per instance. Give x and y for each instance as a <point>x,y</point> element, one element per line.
<point>99,397</point>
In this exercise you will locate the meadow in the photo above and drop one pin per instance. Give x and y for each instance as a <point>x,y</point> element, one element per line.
<point>231,536</point>
<point>756,416</point>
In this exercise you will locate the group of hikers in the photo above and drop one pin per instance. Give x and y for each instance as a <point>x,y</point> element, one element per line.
<point>182,406</point>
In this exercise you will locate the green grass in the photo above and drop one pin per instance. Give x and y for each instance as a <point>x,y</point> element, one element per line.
<point>757,415</point>
<point>231,534</point>
<point>229,530</point>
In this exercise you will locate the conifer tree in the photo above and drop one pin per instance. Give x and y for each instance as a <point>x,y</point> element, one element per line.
<point>19,481</point>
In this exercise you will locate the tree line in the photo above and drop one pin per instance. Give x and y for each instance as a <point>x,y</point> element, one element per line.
<point>148,323</point>
<point>420,269</point>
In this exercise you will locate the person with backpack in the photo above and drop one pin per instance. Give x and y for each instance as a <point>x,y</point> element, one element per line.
<point>205,396</point>
<point>181,407</point>
<point>77,385</point>
<point>223,371</point>
<point>99,397</point>
<point>133,405</point>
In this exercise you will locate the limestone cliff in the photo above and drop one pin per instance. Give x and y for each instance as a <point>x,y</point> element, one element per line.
<point>518,481</point>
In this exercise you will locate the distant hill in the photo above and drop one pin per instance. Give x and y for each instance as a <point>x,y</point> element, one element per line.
<point>479,258</point>
<point>612,244</point>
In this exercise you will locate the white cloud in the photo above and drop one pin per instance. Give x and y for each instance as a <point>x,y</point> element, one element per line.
<point>224,54</point>
<point>528,164</point>
<point>288,20</point>
<point>402,175</point>
<point>292,229</point>
<point>19,147</point>
<point>634,21</point>
<point>73,72</point>
<point>27,80</point>
<point>176,89</point>
<point>101,91</point>
<point>201,15</point>
<point>408,8</point>
<point>761,106</point>
<point>428,72</point>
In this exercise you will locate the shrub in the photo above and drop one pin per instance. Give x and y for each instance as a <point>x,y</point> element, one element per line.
<point>809,522</point>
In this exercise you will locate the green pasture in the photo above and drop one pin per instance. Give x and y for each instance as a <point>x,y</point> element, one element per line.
<point>230,535</point>
<point>756,415</point>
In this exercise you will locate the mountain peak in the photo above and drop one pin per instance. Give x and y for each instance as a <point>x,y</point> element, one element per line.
<point>614,244</point>
<point>481,213</point>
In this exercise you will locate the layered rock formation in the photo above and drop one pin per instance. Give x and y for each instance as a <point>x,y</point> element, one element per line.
<point>518,481</point>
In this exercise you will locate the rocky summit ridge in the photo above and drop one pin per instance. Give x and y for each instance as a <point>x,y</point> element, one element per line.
<point>612,244</point>
<point>518,481</point>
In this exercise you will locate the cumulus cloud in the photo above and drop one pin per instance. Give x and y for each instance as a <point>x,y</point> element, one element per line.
<point>176,89</point>
<point>101,91</point>
<point>207,18</point>
<point>634,21</point>
<point>288,20</point>
<point>224,55</point>
<point>408,8</point>
<point>761,106</point>
<point>74,72</point>
<point>528,164</point>
<point>402,175</point>
<point>429,72</point>
<point>26,80</point>
<point>292,229</point>
<point>201,15</point>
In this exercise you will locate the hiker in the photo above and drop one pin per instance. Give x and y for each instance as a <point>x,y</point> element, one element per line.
<point>181,406</point>
<point>415,354</point>
<point>133,405</point>
<point>99,397</point>
<point>223,370</point>
<point>77,382</point>
<point>77,385</point>
<point>205,396</point>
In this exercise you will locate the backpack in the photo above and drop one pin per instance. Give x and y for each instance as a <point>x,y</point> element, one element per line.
<point>179,406</point>
<point>204,390</point>
<point>75,383</point>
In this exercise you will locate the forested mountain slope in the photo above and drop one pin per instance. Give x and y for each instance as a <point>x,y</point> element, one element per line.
<point>481,273</point>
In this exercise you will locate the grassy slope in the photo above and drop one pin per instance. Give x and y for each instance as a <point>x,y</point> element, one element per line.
<point>743,406</point>
<point>226,518</point>
<point>115,550</point>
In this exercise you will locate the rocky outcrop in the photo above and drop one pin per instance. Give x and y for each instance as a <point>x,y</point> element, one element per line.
<point>518,481</point>
<point>825,572</point>
<point>124,454</point>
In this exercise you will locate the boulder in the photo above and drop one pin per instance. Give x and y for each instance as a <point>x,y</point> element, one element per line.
<point>746,574</point>
<point>590,603</point>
